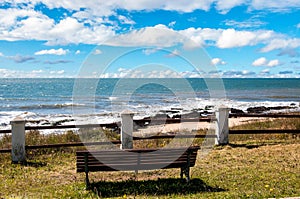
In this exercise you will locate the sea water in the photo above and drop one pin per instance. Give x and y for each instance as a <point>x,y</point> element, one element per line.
<point>53,100</point>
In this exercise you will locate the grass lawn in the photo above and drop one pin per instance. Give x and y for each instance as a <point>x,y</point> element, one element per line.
<point>246,168</point>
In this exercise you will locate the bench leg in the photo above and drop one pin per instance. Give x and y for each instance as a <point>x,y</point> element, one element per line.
<point>181,172</point>
<point>87,182</point>
<point>86,170</point>
<point>186,172</point>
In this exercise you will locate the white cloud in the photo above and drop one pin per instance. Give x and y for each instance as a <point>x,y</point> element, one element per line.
<point>158,36</point>
<point>59,51</point>
<point>225,5</point>
<point>249,23</point>
<point>149,51</point>
<point>57,72</point>
<point>172,24</point>
<point>125,20</point>
<point>264,62</point>
<point>97,52</point>
<point>217,61</point>
<point>90,24</point>
<point>298,26</point>
<point>280,43</point>
<point>260,62</point>
<point>60,72</point>
<point>1,54</point>
<point>276,6</point>
<point>174,53</point>
<point>231,38</point>
<point>273,63</point>
<point>37,71</point>
<point>8,73</point>
<point>77,52</point>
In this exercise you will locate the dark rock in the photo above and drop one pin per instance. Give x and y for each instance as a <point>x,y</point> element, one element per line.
<point>177,116</point>
<point>259,109</point>
<point>236,111</point>
<point>208,107</point>
<point>280,107</point>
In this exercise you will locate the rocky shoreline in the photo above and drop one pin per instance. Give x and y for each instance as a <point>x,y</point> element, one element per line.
<point>176,113</point>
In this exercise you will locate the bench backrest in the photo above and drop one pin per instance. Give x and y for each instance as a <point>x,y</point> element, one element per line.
<point>136,159</point>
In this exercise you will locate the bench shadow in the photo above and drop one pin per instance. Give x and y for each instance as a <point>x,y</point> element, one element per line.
<point>251,146</point>
<point>158,187</point>
<point>248,146</point>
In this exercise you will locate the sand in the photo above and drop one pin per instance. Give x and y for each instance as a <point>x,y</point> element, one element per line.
<point>191,126</point>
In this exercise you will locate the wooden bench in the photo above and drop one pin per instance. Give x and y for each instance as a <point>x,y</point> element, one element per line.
<point>136,159</point>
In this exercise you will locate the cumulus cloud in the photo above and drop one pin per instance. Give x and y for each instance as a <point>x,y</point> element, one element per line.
<point>91,23</point>
<point>159,36</point>
<point>279,43</point>
<point>59,51</point>
<point>232,38</point>
<point>218,61</point>
<point>225,5</point>
<point>273,63</point>
<point>125,20</point>
<point>264,62</point>
<point>77,52</point>
<point>260,62</point>
<point>276,6</point>
<point>106,8</point>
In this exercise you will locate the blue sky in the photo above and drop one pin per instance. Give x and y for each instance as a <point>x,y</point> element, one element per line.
<point>150,38</point>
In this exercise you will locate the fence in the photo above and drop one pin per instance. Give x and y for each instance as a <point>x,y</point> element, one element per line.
<point>222,131</point>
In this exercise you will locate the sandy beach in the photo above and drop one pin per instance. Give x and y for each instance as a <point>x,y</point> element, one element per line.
<point>192,126</point>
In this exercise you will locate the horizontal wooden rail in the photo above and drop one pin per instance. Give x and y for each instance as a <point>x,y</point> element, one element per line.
<point>76,144</point>
<point>267,131</point>
<point>73,144</point>
<point>173,136</point>
<point>111,125</point>
<point>5,131</point>
<point>174,120</point>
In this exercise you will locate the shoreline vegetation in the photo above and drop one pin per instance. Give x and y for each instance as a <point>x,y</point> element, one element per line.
<point>251,166</point>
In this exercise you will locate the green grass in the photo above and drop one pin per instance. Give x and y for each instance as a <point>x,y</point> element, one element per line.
<point>250,167</point>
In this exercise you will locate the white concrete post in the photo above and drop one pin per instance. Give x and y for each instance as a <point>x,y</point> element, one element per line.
<point>222,126</point>
<point>126,130</point>
<point>18,153</point>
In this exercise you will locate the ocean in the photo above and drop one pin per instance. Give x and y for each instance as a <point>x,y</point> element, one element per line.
<point>54,100</point>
